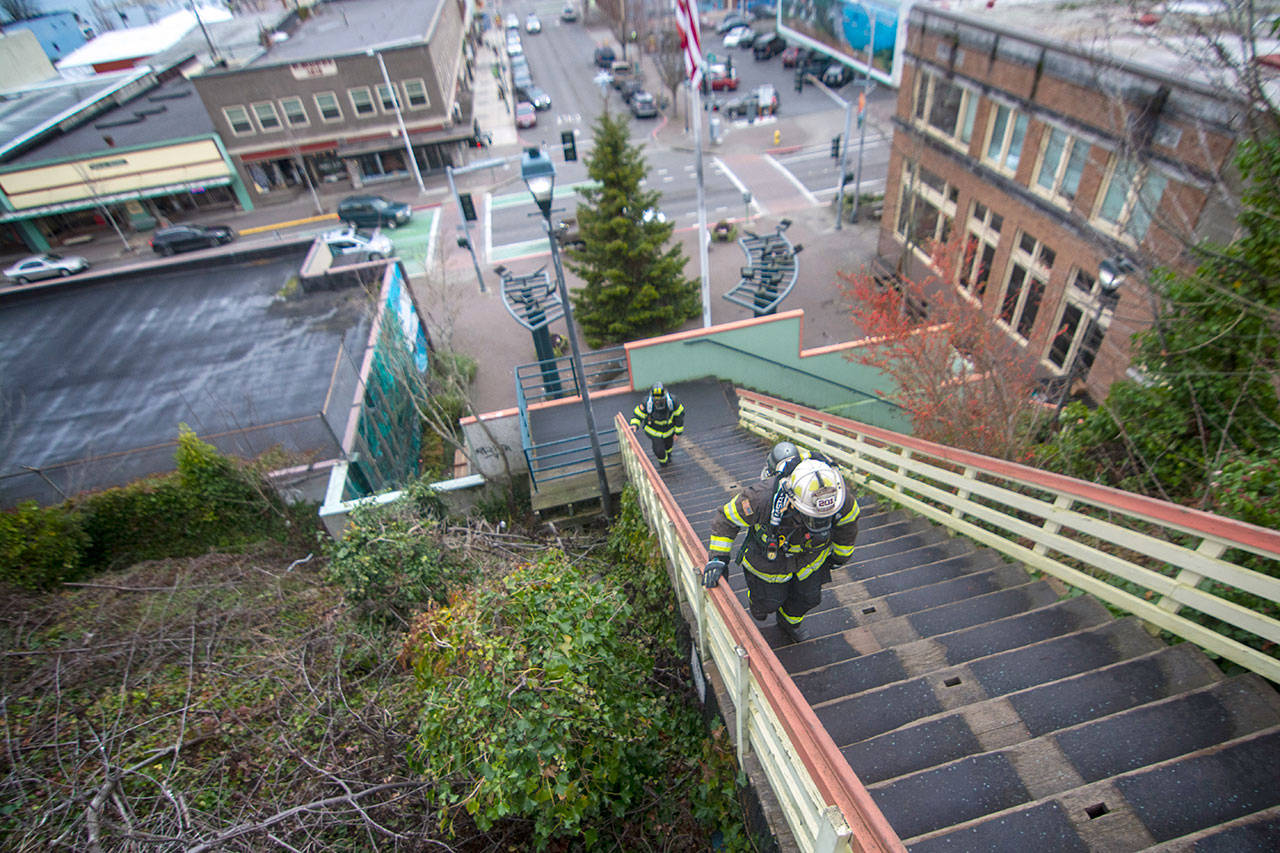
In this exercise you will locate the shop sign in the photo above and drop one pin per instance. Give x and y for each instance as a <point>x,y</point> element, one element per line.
<point>313,69</point>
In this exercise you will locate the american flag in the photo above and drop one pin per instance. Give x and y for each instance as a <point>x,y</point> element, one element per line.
<point>690,38</point>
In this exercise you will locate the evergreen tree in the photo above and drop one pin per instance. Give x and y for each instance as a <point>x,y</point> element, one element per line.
<point>634,287</point>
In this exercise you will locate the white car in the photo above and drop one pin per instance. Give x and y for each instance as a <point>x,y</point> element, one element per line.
<point>39,267</point>
<point>734,37</point>
<point>514,47</point>
<point>356,245</point>
<point>532,24</point>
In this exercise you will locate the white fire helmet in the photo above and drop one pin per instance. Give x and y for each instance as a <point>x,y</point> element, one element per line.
<point>817,489</point>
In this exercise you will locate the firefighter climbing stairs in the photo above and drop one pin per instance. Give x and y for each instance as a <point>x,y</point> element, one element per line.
<point>985,707</point>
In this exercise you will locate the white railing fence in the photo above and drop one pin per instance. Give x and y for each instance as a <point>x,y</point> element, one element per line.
<point>1146,557</point>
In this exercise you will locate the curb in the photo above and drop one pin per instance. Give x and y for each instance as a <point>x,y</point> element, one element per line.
<point>257,229</point>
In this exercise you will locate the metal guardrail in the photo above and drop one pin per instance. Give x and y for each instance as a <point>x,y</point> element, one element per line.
<point>794,369</point>
<point>1146,557</point>
<point>602,369</point>
<point>827,809</point>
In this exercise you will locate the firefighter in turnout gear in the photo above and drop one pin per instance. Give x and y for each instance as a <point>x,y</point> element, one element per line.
<point>800,525</point>
<point>662,417</point>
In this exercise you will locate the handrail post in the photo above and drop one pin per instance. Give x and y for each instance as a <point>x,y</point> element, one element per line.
<point>970,473</point>
<point>1062,502</point>
<point>741,683</point>
<point>1210,548</point>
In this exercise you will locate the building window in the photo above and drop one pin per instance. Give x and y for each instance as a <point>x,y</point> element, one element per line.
<point>415,94</point>
<point>926,209</point>
<point>979,250</point>
<point>1061,165</point>
<point>1029,266</point>
<point>1130,198</point>
<point>946,108</point>
<point>1004,145</point>
<point>327,104</point>
<point>1080,328</point>
<point>361,101</point>
<point>295,113</point>
<point>268,118</point>
<point>387,97</point>
<point>238,120</point>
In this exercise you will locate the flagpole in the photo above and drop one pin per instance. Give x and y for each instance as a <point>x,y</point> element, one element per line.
<point>695,107</point>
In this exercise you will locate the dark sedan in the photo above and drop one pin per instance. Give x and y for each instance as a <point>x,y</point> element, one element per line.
<point>184,238</point>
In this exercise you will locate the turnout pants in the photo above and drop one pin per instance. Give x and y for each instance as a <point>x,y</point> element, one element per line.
<point>662,447</point>
<point>792,597</point>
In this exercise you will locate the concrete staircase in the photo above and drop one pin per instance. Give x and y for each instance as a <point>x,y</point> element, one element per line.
<point>985,709</point>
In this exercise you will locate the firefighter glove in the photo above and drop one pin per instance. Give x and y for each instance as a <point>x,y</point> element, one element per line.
<point>712,572</point>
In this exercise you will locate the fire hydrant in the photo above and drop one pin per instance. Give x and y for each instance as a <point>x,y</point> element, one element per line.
<point>777,138</point>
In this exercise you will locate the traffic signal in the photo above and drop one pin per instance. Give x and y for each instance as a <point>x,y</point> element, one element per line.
<point>570,147</point>
<point>835,147</point>
<point>468,207</point>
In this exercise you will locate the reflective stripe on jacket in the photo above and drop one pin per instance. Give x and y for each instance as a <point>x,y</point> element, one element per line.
<point>795,551</point>
<point>672,424</point>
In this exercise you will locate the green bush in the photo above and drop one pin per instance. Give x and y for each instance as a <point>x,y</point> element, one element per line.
<point>210,503</point>
<point>40,547</point>
<point>390,559</point>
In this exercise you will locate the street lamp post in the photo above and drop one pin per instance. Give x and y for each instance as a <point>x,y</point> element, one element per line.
<point>539,175</point>
<point>1112,275</point>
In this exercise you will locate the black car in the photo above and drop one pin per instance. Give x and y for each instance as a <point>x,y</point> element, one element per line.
<point>731,21</point>
<point>604,56</point>
<point>643,105</point>
<point>630,89</point>
<point>372,211</point>
<point>815,63</point>
<point>743,105</point>
<point>837,74</point>
<point>768,46</point>
<point>535,95</point>
<point>184,238</point>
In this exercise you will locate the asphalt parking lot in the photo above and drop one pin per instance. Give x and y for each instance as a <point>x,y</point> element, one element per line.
<point>95,377</point>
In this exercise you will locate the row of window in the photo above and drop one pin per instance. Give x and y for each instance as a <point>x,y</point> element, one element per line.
<point>927,212</point>
<point>1130,193</point>
<point>363,101</point>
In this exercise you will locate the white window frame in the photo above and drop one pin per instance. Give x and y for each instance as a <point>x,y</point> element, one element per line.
<point>337,105</point>
<point>1073,148</point>
<point>370,105</point>
<point>275,114</point>
<point>961,133</point>
<point>983,232</point>
<point>1035,280</point>
<point>408,96</point>
<point>302,108</point>
<point>387,97</point>
<point>1006,159</point>
<point>1085,295</point>
<point>1120,227</point>
<point>944,201</point>
<point>250,127</point>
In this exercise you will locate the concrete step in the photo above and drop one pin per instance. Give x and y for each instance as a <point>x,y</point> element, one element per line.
<point>970,787</point>
<point>1229,788</point>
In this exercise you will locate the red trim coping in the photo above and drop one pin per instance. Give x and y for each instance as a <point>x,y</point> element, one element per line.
<point>835,780</point>
<point>1205,523</point>
<point>723,327</point>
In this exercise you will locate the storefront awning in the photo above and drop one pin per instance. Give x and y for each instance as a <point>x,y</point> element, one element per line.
<point>114,198</point>
<point>457,133</point>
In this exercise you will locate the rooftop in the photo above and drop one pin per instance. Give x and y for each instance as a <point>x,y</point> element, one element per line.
<point>171,111</point>
<point>352,26</point>
<point>40,108</point>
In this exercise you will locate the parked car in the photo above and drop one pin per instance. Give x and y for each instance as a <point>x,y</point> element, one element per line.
<point>767,95</point>
<point>526,115</point>
<point>372,211</point>
<point>739,37</point>
<point>768,46</point>
<point>629,90</point>
<point>741,106</point>
<point>352,244</point>
<point>837,74</point>
<point>815,63</point>
<point>620,73</point>
<point>604,56</point>
<point>184,238</point>
<point>521,78</point>
<point>568,14</point>
<point>720,78</point>
<point>729,22</point>
<point>643,105</point>
<point>514,47</point>
<point>511,21</point>
<point>38,267</point>
<point>791,57</point>
<point>535,95</point>
<point>532,24</point>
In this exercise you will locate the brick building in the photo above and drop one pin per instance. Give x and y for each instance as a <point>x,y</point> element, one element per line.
<point>1050,166</point>
<point>318,97</point>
